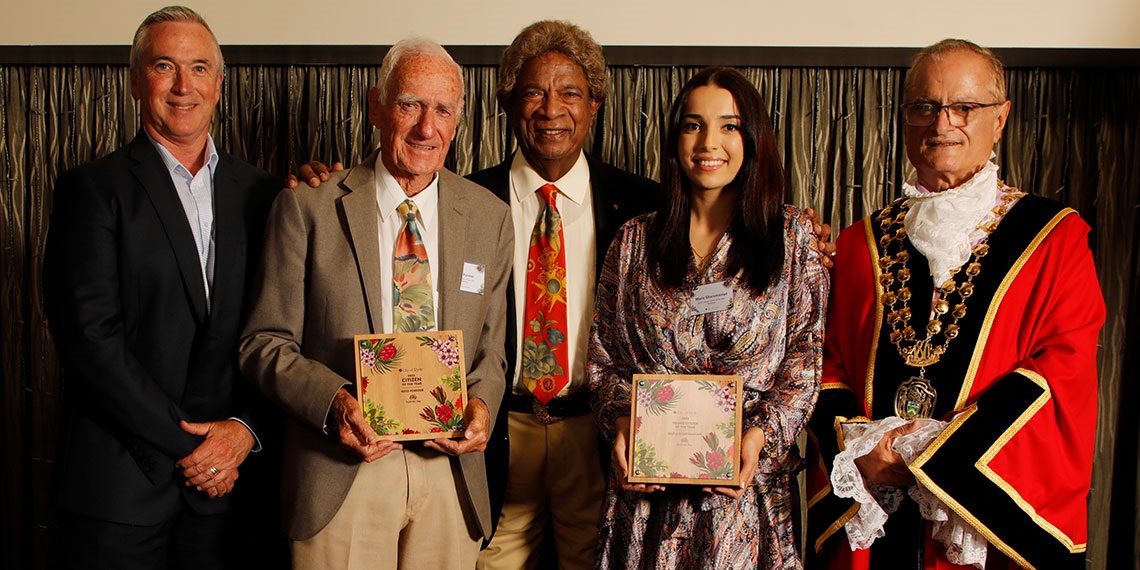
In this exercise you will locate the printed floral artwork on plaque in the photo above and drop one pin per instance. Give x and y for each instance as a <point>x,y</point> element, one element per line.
<point>686,429</point>
<point>412,385</point>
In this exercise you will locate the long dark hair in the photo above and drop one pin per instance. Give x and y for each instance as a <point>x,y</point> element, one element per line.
<point>757,250</point>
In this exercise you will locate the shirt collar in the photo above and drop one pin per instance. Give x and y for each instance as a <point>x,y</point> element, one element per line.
<point>175,168</point>
<point>572,185</point>
<point>389,196</point>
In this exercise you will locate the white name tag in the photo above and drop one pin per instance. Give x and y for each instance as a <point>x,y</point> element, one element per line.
<point>474,275</point>
<point>711,297</point>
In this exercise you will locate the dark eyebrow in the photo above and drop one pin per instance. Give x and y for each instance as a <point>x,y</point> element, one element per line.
<point>696,116</point>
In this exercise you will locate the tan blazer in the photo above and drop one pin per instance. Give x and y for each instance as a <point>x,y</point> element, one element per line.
<point>319,284</point>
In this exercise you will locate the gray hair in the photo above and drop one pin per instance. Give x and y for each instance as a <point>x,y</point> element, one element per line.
<point>170,14</point>
<point>939,50</point>
<point>412,47</point>
<point>541,38</point>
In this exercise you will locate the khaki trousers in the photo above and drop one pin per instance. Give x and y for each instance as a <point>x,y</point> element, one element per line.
<point>554,476</point>
<point>403,511</point>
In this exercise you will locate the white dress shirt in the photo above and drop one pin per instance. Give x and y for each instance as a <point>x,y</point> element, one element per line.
<point>196,192</point>
<point>389,196</point>
<point>575,204</point>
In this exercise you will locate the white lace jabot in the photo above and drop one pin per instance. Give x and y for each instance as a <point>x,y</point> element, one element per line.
<point>943,226</point>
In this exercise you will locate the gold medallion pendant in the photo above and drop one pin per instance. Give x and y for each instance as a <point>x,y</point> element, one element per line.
<point>923,354</point>
<point>915,399</point>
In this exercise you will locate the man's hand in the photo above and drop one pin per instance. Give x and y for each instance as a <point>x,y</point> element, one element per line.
<point>478,419</point>
<point>213,466</point>
<point>313,174</point>
<point>621,451</point>
<point>883,465</point>
<point>349,427</point>
<point>752,441</point>
<point>823,234</point>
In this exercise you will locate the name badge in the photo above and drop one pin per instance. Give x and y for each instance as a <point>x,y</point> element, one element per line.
<point>474,275</point>
<point>711,297</point>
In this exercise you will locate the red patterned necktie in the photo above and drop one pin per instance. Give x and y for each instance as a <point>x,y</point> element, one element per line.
<point>545,356</point>
<point>412,305</point>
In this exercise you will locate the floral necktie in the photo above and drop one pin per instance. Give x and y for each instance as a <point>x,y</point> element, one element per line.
<point>545,359</point>
<point>412,308</point>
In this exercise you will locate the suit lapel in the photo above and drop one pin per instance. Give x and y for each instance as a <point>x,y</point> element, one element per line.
<point>360,212</point>
<point>228,262</point>
<point>452,232</point>
<point>502,184</point>
<point>603,209</point>
<point>150,172</point>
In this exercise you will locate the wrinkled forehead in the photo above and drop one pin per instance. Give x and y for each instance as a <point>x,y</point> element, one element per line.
<point>428,79</point>
<point>954,76</point>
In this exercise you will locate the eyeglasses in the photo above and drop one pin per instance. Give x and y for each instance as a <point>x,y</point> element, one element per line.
<point>924,114</point>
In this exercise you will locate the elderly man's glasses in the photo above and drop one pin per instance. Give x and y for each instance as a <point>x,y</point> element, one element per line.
<point>924,114</point>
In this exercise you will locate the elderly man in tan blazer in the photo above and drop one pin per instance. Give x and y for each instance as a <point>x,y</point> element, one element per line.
<point>350,499</point>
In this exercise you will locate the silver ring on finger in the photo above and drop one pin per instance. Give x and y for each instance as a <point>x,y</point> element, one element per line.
<point>213,470</point>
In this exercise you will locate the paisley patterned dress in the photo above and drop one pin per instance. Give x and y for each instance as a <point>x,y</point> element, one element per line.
<point>775,341</point>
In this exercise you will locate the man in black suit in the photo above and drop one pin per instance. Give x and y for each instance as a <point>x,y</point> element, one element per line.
<point>145,290</point>
<point>552,81</point>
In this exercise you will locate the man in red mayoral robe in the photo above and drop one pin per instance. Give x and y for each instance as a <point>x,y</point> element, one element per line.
<point>956,422</point>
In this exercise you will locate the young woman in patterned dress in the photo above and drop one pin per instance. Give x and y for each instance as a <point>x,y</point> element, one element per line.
<point>721,220</point>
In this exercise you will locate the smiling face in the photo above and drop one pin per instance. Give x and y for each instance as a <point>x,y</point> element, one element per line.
<point>551,112</point>
<point>418,121</point>
<point>710,145</point>
<point>177,83</point>
<point>945,156</point>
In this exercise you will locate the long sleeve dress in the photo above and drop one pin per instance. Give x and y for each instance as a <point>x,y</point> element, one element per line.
<point>773,340</point>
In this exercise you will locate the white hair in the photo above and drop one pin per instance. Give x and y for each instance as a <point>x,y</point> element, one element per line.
<point>412,47</point>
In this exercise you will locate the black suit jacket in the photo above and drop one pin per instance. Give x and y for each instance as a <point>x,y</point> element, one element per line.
<point>128,313</point>
<point>618,196</point>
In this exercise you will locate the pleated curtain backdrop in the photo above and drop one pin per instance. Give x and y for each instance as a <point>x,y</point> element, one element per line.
<point>1072,136</point>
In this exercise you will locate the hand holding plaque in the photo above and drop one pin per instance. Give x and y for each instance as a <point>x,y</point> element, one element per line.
<point>412,386</point>
<point>347,424</point>
<point>685,429</point>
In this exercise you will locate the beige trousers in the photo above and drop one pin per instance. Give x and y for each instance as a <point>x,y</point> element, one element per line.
<point>403,511</point>
<point>554,476</point>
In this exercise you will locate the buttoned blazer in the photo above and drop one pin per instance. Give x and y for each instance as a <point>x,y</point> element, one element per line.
<point>140,350</point>
<point>617,196</point>
<point>319,285</point>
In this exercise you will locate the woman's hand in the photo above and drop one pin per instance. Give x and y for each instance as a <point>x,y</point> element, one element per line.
<point>620,458</point>
<point>752,441</point>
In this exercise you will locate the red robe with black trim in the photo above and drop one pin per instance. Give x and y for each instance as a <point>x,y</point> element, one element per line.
<point>1017,463</point>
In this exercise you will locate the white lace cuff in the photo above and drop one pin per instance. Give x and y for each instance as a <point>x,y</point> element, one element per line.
<point>963,544</point>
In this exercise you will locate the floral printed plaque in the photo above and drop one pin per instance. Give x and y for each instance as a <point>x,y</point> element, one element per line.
<point>412,385</point>
<point>686,429</point>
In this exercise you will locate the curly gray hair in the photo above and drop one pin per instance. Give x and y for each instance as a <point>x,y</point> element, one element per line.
<point>546,36</point>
